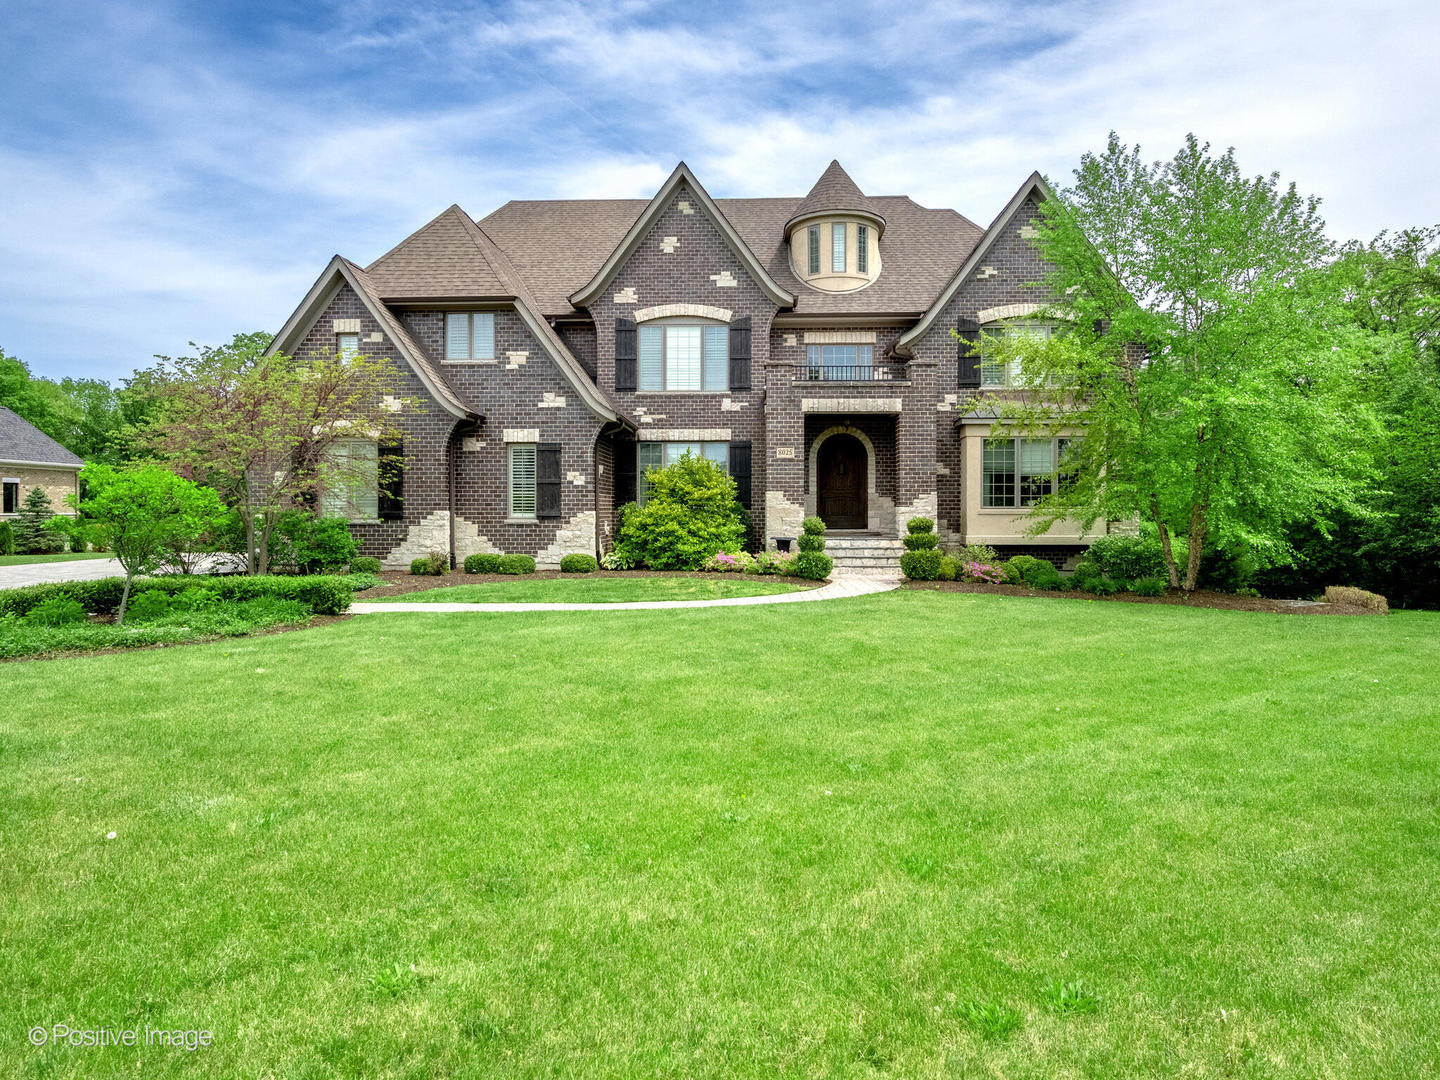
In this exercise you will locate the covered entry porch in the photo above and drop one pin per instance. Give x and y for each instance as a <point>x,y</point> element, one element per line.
<point>850,471</point>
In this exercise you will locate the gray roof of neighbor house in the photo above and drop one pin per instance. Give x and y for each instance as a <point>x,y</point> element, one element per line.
<point>22,441</point>
<point>557,246</point>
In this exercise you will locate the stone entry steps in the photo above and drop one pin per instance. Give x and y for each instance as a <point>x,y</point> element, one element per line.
<point>864,553</point>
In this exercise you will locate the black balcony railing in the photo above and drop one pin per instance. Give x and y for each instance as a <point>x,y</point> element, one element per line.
<point>888,371</point>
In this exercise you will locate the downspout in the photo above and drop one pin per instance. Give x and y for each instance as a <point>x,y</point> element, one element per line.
<point>450,456</point>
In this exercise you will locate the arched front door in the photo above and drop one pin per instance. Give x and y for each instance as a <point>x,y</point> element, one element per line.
<point>841,484</point>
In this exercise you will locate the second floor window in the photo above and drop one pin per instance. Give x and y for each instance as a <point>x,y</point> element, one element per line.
<point>837,248</point>
<point>469,335</point>
<point>862,249</point>
<point>678,356</point>
<point>812,240</point>
<point>995,372</point>
<point>839,361</point>
<point>347,345</point>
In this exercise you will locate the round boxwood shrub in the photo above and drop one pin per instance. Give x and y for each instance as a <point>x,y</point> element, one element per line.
<point>483,562</point>
<point>919,525</point>
<point>579,563</point>
<point>365,564</point>
<point>433,564</point>
<point>516,564</point>
<point>1036,573</point>
<point>813,526</point>
<point>810,542</point>
<point>920,536</point>
<point>813,565</point>
<point>922,565</point>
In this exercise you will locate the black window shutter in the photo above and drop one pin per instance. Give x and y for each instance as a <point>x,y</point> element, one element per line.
<point>624,354</point>
<point>968,352</point>
<point>547,480</point>
<point>740,471</point>
<point>624,473</point>
<point>740,353</point>
<point>392,481</point>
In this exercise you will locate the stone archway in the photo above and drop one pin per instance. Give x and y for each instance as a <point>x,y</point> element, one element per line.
<point>879,510</point>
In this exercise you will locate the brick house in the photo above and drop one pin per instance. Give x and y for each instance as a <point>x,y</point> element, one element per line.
<point>29,459</point>
<point>553,351</point>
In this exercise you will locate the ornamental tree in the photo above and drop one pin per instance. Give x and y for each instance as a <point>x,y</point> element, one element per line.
<point>689,514</point>
<point>144,513</point>
<point>1208,363</point>
<point>261,428</point>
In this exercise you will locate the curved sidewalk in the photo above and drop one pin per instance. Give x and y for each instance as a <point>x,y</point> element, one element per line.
<point>838,588</point>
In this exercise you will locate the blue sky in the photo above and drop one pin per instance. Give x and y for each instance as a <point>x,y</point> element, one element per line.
<point>180,171</point>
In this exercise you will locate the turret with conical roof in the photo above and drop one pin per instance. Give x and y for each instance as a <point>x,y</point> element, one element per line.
<point>834,234</point>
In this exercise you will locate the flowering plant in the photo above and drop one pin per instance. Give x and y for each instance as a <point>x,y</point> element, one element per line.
<point>723,562</point>
<point>984,573</point>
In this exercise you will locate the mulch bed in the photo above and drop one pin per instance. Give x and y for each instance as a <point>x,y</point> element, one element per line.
<point>1200,598</point>
<point>400,582</point>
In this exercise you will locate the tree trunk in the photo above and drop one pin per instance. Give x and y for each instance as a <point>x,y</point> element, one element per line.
<point>266,528</point>
<point>1165,542</point>
<point>1197,545</point>
<point>249,540</point>
<point>124,599</point>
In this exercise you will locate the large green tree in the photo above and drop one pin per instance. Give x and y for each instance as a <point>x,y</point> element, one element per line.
<point>261,428</point>
<point>86,416</point>
<point>1209,364</point>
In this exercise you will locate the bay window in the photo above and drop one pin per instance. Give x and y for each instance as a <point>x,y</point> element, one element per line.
<point>1020,472</point>
<point>683,356</point>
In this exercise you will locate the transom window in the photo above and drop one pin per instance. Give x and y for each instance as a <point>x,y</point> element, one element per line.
<point>657,455</point>
<point>680,356</point>
<point>522,480</point>
<point>1020,472</point>
<point>995,372</point>
<point>352,481</point>
<point>469,335</point>
<point>840,361</point>
<point>837,248</point>
<point>812,237</point>
<point>347,345</point>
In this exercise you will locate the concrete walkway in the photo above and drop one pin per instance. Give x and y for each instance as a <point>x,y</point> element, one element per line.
<point>837,589</point>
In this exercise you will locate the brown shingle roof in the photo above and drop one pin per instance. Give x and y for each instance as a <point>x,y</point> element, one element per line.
<point>833,192</point>
<point>557,246</point>
<point>437,260</point>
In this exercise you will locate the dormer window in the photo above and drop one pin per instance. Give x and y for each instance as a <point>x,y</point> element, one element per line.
<point>839,216</point>
<point>837,248</point>
<point>813,236</point>
<point>862,249</point>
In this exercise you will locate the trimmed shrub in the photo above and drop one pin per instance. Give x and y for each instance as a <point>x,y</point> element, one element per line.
<point>365,564</point>
<point>1034,572</point>
<point>922,565</point>
<point>516,564</point>
<point>433,564</point>
<point>809,542</point>
<point>921,537</point>
<point>920,542</point>
<point>578,563</point>
<point>483,562</point>
<point>813,526</point>
<point>689,514</point>
<point>1345,594</point>
<point>813,565</point>
<point>919,525</point>
<point>1149,586</point>
<point>949,568</point>
<point>311,544</point>
<point>1135,557</point>
<point>323,594</point>
<point>56,611</point>
<point>7,538</point>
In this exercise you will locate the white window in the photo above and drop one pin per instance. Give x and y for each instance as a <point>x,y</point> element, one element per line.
<point>842,362</point>
<point>995,372</point>
<point>862,249</point>
<point>352,480</point>
<point>1020,472</point>
<point>469,335</point>
<point>522,480</point>
<point>812,238</point>
<point>657,455</point>
<point>681,356</point>
<point>347,345</point>
<point>837,248</point>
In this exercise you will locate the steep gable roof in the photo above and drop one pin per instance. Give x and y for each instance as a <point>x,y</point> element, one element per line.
<point>342,270</point>
<point>438,260</point>
<point>22,443</point>
<point>653,209</point>
<point>1034,185</point>
<point>834,193</point>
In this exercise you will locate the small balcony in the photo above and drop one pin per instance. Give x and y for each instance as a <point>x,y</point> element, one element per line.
<point>882,371</point>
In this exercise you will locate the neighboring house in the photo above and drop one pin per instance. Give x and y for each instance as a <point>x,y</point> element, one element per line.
<point>29,459</point>
<point>553,351</point>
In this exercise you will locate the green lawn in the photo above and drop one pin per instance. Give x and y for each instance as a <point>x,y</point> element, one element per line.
<point>850,839</point>
<point>64,556</point>
<point>596,589</point>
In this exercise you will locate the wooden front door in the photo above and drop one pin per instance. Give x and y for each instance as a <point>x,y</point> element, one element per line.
<point>841,483</point>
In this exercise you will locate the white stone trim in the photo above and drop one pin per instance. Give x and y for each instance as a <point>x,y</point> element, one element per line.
<point>721,434</point>
<point>879,511</point>
<point>521,435</point>
<point>1007,311</point>
<point>839,337</point>
<point>691,311</point>
<point>346,326</point>
<point>850,405</point>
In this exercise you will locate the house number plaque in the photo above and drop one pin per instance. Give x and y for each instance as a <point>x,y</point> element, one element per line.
<point>785,452</point>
